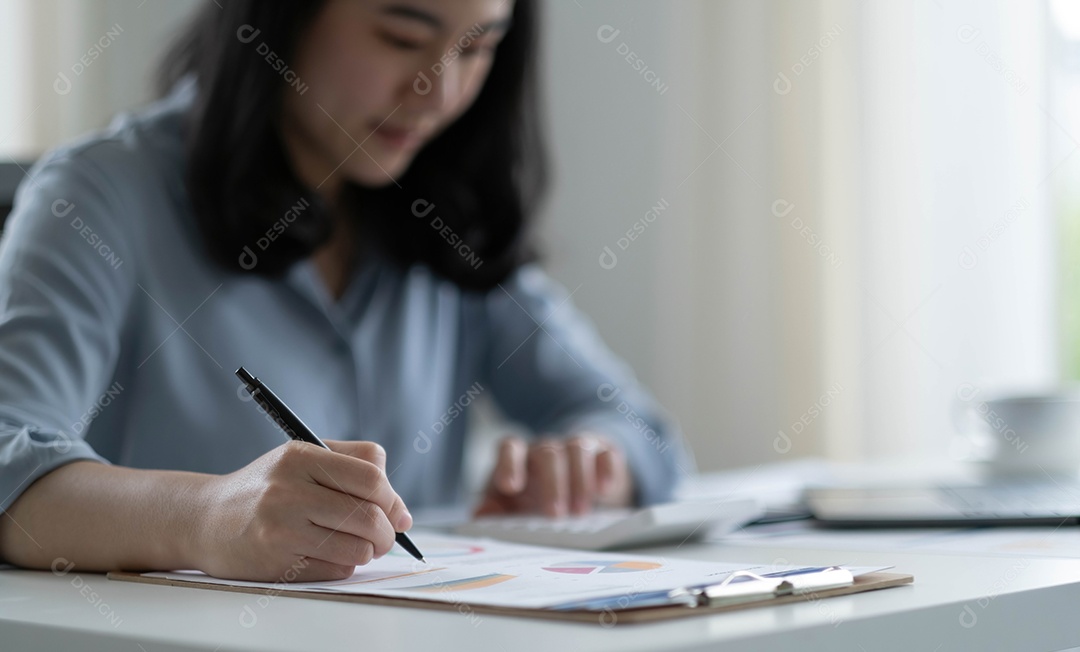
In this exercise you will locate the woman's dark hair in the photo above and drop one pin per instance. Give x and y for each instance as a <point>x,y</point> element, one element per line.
<point>482,177</point>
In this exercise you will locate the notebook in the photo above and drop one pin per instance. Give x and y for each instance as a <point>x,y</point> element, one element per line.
<point>1004,501</point>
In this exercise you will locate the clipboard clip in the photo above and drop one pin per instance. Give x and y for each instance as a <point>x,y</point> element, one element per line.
<point>747,586</point>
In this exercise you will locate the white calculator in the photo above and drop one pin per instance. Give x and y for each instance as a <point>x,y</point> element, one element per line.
<point>621,528</point>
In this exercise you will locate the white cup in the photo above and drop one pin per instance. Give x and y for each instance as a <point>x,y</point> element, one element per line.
<point>1024,434</point>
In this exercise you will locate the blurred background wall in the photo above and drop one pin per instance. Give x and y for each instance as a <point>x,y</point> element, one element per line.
<point>812,226</point>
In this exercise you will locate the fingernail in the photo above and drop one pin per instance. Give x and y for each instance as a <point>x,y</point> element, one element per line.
<point>505,483</point>
<point>605,484</point>
<point>404,521</point>
<point>515,480</point>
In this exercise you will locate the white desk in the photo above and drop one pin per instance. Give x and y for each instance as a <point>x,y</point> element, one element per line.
<point>1008,603</point>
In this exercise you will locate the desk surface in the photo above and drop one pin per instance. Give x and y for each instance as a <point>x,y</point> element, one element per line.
<point>957,603</point>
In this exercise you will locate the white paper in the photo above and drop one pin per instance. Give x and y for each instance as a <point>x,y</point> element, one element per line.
<point>487,572</point>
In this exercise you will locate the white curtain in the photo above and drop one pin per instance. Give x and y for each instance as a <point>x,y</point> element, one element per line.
<point>954,285</point>
<point>74,63</point>
<point>877,237</point>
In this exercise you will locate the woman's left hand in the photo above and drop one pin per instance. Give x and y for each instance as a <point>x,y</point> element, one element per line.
<point>557,476</point>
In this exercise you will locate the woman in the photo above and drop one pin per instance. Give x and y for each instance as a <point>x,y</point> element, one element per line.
<point>336,195</point>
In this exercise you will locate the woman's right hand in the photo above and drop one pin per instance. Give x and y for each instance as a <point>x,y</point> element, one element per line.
<point>300,513</point>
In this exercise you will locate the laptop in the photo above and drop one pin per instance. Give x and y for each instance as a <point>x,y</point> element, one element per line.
<point>1005,501</point>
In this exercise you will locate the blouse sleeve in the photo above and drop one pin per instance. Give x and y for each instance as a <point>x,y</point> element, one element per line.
<point>65,281</point>
<point>550,371</point>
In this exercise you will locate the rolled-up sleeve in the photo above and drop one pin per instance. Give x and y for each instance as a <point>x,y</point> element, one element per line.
<point>65,281</point>
<point>551,371</point>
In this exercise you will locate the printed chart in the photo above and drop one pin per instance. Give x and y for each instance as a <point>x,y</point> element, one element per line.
<point>492,573</point>
<point>592,567</point>
<point>463,584</point>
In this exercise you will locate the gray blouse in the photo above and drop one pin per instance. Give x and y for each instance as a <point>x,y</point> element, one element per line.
<point>119,338</point>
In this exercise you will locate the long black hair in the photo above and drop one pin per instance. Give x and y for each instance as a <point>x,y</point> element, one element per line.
<point>464,207</point>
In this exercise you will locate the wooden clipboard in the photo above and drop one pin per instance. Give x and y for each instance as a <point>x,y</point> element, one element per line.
<point>868,582</point>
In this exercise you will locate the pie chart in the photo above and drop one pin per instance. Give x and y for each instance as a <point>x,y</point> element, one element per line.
<point>604,566</point>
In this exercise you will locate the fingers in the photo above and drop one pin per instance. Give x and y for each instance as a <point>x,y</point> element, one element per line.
<point>617,484</point>
<point>368,451</point>
<point>310,569</point>
<point>547,465</point>
<point>306,569</point>
<point>494,503</point>
<point>510,466</point>
<point>554,476</point>
<point>335,512</point>
<point>609,461</point>
<point>582,471</point>
<point>340,548</point>
<point>505,489</point>
<point>358,478</point>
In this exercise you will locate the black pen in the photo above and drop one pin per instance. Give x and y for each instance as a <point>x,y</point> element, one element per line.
<point>287,420</point>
